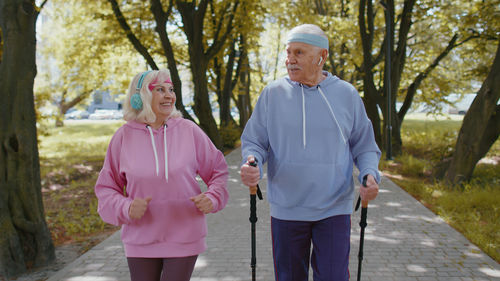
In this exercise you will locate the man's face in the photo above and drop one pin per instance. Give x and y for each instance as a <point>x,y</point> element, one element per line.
<point>302,62</point>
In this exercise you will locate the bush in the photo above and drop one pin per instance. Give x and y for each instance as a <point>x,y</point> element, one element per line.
<point>230,134</point>
<point>472,209</point>
<point>434,141</point>
<point>412,166</point>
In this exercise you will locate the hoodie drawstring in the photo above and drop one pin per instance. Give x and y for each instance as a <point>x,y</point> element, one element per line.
<point>154,147</point>
<point>303,117</point>
<point>164,147</point>
<point>333,114</point>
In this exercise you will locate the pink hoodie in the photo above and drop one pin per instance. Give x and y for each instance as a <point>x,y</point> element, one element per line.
<point>172,225</point>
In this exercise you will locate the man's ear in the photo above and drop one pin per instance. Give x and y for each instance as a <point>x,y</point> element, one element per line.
<point>323,55</point>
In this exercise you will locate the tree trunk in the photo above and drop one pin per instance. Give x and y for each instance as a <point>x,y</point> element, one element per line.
<point>396,140</point>
<point>373,115</point>
<point>244,101</point>
<point>25,241</point>
<point>480,128</point>
<point>227,89</point>
<point>64,105</point>
<point>202,107</point>
<point>193,17</point>
<point>397,52</point>
<point>371,94</point>
<point>161,17</point>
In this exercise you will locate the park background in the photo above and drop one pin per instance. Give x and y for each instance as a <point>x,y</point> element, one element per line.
<point>60,57</point>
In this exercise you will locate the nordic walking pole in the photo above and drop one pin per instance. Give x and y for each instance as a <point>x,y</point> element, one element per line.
<point>362,224</point>
<point>254,190</point>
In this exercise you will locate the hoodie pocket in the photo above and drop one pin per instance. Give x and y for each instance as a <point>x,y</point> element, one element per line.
<point>313,186</point>
<point>167,221</point>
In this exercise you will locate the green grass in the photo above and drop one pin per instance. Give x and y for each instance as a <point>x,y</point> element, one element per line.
<point>70,160</point>
<point>474,208</point>
<point>78,139</point>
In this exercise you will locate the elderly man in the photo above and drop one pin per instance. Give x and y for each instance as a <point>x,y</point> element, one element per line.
<point>310,127</point>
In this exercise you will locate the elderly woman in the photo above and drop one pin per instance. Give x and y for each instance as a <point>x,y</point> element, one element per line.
<point>148,182</point>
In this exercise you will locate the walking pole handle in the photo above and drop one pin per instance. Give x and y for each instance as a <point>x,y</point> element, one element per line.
<point>255,190</point>
<point>364,204</point>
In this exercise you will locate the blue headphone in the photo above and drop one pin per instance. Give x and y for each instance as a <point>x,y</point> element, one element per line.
<point>135,99</point>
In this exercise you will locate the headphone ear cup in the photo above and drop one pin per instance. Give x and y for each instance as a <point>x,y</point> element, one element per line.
<point>136,101</point>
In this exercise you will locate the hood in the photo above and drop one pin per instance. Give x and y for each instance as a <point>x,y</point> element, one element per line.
<point>330,79</point>
<point>169,123</point>
<point>133,124</point>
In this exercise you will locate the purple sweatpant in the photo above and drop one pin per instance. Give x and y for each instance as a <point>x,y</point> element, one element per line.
<point>330,238</point>
<point>161,269</point>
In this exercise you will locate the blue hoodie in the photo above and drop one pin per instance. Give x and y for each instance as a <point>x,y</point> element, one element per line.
<point>310,137</point>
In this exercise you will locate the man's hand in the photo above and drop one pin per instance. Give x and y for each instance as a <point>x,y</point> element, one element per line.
<point>369,192</point>
<point>138,207</point>
<point>203,203</point>
<point>250,176</point>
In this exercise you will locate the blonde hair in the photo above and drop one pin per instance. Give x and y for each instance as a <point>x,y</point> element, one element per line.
<point>145,114</point>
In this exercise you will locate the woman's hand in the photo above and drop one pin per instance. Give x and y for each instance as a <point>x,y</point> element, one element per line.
<point>203,203</point>
<point>138,207</point>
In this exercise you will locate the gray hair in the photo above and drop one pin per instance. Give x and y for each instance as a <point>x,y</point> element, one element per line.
<point>145,114</point>
<point>309,29</point>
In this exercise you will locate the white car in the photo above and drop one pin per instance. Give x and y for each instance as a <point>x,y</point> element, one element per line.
<point>76,114</point>
<point>102,114</point>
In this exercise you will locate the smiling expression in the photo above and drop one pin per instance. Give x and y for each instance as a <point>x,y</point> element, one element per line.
<point>163,101</point>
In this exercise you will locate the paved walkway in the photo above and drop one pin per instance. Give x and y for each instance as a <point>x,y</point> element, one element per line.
<point>403,241</point>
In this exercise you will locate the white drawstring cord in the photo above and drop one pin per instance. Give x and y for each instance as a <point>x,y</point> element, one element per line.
<point>154,147</point>
<point>303,117</point>
<point>165,148</point>
<point>333,114</point>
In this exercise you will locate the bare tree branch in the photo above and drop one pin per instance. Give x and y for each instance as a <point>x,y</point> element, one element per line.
<point>130,35</point>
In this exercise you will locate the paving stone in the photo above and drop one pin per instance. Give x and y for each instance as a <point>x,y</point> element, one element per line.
<point>404,241</point>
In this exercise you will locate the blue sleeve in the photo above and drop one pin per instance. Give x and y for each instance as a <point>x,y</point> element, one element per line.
<point>254,139</point>
<point>365,151</point>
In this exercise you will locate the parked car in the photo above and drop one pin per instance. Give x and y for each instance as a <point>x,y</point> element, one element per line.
<point>117,114</point>
<point>460,111</point>
<point>106,114</point>
<point>76,114</point>
<point>101,114</point>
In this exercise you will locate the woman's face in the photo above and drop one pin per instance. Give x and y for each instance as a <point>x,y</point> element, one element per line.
<point>163,101</point>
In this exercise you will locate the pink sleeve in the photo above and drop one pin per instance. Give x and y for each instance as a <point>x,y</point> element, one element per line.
<point>112,204</point>
<point>212,168</point>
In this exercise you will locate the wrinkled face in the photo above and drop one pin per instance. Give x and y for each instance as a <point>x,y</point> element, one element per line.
<point>163,101</point>
<point>302,62</point>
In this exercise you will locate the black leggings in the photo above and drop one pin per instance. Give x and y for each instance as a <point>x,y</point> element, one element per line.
<point>163,269</point>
